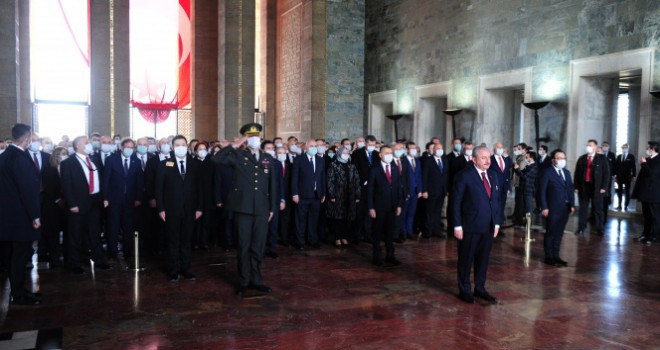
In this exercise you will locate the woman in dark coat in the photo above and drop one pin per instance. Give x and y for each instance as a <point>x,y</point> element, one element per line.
<point>343,195</point>
<point>53,212</point>
<point>205,227</point>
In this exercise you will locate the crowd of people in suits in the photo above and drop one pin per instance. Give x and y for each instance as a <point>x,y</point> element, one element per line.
<point>85,198</point>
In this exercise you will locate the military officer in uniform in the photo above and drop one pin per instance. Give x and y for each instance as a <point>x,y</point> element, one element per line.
<point>253,199</point>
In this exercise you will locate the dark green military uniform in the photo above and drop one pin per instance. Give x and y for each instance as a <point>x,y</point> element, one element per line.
<point>253,198</point>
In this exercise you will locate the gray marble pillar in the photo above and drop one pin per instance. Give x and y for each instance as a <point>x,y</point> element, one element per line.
<point>9,66</point>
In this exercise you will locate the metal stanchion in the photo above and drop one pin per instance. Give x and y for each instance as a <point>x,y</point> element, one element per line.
<point>136,244</point>
<point>528,239</point>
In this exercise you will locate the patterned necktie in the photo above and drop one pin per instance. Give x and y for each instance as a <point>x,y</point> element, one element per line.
<point>91,175</point>
<point>486,184</point>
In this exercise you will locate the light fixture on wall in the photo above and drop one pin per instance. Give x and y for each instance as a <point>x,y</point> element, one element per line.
<point>395,118</point>
<point>453,113</point>
<point>535,106</point>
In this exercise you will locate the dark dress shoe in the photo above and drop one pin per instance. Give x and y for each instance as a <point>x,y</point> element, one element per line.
<point>33,295</point>
<point>174,277</point>
<point>240,291</point>
<point>188,276</point>
<point>579,232</point>
<point>77,270</point>
<point>551,262</point>
<point>640,238</point>
<point>261,288</point>
<point>600,233</point>
<point>393,261</point>
<point>466,298</point>
<point>377,262</point>
<point>485,296</point>
<point>272,255</point>
<point>102,266</point>
<point>398,240</point>
<point>25,299</point>
<point>316,246</point>
<point>561,262</point>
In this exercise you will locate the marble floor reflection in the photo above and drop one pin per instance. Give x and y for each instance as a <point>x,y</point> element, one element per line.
<point>608,298</point>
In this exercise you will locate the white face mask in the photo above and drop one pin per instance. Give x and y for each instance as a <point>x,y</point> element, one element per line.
<point>399,153</point>
<point>413,152</point>
<point>278,144</point>
<point>561,164</point>
<point>499,151</point>
<point>517,152</point>
<point>649,153</point>
<point>625,150</point>
<point>388,158</point>
<point>468,152</point>
<point>281,157</point>
<point>439,152</point>
<point>105,148</point>
<point>48,148</point>
<point>35,146</point>
<point>89,149</point>
<point>345,156</point>
<point>96,144</point>
<point>271,152</point>
<point>117,142</point>
<point>371,148</point>
<point>202,153</point>
<point>180,151</point>
<point>348,147</point>
<point>165,148</point>
<point>128,152</point>
<point>360,144</point>
<point>151,149</point>
<point>298,150</point>
<point>71,150</point>
<point>590,149</point>
<point>322,149</point>
<point>606,149</point>
<point>541,152</point>
<point>254,142</point>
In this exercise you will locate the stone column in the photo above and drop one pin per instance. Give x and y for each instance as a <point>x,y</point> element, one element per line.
<point>9,66</point>
<point>109,111</point>
<point>204,87</point>
<point>236,21</point>
<point>25,96</point>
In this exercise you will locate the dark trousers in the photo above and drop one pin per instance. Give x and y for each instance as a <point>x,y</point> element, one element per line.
<point>474,248</point>
<point>154,234</point>
<point>383,230</point>
<point>85,228</point>
<point>285,222</point>
<point>53,219</point>
<point>528,200</point>
<point>273,232</point>
<point>623,189</point>
<point>408,215</point>
<point>322,224</point>
<point>226,228</point>
<point>519,205</point>
<point>586,196</point>
<point>179,232</point>
<point>121,217</point>
<point>648,219</point>
<point>20,253</point>
<point>450,221</point>
<point>503,198</point>
<point>339,228</point>
<point>654,209</point>
<point>554,231</point>
<point>434,215</point>
<point>307,216</point>
<point>204,228</point>
<point>251,233</point>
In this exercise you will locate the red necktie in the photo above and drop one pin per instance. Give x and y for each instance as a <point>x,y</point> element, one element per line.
<point>501,163</point>
<point>36,161</point>
<point>486,184</point>
<point>387,174</point>
<point>398,165</point>
<point>91,176</point>
<point>587,175</point>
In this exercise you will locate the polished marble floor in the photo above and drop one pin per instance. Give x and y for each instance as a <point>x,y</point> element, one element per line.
<point>608,298</point>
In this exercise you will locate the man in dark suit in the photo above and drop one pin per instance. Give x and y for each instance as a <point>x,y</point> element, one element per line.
<point>81,187</point>
<point>648,194</point>
<point>20,214</point>
<point>286,213</point>
<point>502,166</point>
<point>557,201</point>
<point>155,238</point>
<point>364,158</point>
<point>545,160</point>
<point>413,166</point>
<point>477,220</point>
<point>434,190</point>
<point>308,193</point>
<point>39,158</point>
<point>179,199</point>
<point>223,188</point>
<point>274,224</point>
<point>592,179</point>
<point>252,203</point>
<point>385,196</point>
<point>611,158</point>
<point>107,149</point>
<point>457,164</point>
<point>123,192</point>
<point>625,171</point>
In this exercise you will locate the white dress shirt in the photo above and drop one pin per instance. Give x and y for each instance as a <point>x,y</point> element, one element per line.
<point>39,160</point>
<point>460,228</point>
<point>82,159</point>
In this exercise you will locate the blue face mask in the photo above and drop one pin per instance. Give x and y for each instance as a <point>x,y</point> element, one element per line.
<point>331,155</point>
<point>128,152</point>
<point>458,147</point>
<point>312,151</point>
<point>142,149</point>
